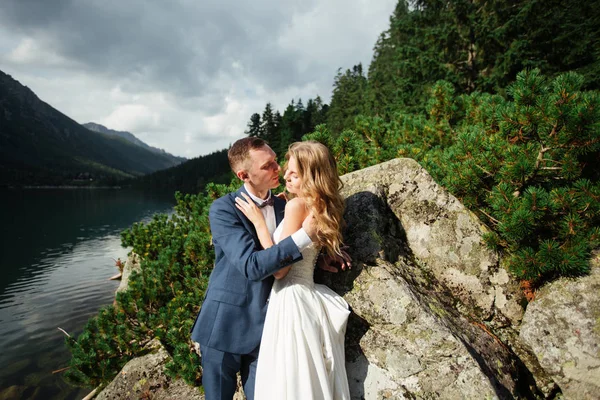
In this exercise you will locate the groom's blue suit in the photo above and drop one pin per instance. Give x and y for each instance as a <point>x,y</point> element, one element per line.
<point>233,312</point>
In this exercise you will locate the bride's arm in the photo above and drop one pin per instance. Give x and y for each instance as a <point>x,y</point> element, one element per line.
<point>295,213</point>
<point>253,213</point>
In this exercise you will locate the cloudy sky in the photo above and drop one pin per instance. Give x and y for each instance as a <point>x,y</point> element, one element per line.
<point>184,75</point>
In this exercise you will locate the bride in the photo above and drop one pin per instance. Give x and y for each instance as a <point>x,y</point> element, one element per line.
<point>302,347</point>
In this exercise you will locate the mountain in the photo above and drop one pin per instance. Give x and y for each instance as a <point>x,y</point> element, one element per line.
<point>39,145</point>
<point>131,138</point>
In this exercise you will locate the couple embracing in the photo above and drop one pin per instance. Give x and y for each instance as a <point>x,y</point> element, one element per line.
<point>263,315</point>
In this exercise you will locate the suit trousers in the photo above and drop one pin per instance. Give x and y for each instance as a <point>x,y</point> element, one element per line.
<point>219,371</point>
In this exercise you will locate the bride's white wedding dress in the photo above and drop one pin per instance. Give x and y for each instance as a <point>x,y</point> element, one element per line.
<point>302,347</point>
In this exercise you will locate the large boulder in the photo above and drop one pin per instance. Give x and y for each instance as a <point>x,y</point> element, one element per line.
<point>442,236</point>
<point>425,292</point>
<point>562,327</point>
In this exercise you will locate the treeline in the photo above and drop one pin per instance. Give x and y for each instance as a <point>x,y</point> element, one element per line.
<point>190,177</point>
<point>279,130</point>
<point>498,100</point>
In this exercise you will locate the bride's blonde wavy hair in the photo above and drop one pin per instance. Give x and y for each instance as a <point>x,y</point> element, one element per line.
<point>321,186</point>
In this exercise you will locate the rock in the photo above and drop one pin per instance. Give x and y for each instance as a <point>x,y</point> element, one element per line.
<point>443,236</point>
<point>144,377</point>
<point>425,293</point>
<point>407,351</point>
<point>132,264</point>
<point>12,392</point>
<point>562,327</point>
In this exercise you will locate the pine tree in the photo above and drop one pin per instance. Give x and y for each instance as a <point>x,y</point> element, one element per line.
<point>290,127</point>
<point>254,126</point>
<point>348,99</point>
<point>268,127</point>
<point>299,126</point>
<point>523,166</point>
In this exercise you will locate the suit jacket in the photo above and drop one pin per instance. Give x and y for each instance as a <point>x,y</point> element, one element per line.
<point>233,313</point>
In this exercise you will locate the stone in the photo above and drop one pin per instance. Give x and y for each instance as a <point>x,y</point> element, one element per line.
<point>441,234</point>
<point>422,289</point>
<point>144,377</point>
<point>12,392</point>
<point>132,264</point>
<point>562,328</point>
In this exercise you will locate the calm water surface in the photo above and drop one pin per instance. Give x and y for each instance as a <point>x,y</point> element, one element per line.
<point>58,251</point>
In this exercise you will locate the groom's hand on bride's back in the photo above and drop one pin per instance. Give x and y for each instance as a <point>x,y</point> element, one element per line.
<point>325,261</point>
<point>334,264</point>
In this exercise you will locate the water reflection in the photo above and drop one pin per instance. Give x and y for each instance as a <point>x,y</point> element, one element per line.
<point>60,248</point>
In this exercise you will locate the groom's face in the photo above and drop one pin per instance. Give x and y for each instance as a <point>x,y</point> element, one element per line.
<point>262,169</point>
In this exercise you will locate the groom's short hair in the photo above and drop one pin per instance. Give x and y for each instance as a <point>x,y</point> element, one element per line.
<point>239,152</point>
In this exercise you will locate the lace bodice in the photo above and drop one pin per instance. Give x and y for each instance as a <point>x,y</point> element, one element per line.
<point>302,271</point>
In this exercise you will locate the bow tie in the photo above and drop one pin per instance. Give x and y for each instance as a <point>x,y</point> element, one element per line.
<point>269,202</point>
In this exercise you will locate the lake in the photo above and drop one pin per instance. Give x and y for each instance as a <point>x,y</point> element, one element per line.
<point>59,248</point>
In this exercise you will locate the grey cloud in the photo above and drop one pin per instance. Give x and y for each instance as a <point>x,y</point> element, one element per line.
<point>209,103</point>
<point>32,13</point>
<point>172,46</point>
<point>189,51</point>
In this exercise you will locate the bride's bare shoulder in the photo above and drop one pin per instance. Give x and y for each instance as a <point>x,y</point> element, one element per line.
<point>296,207</point>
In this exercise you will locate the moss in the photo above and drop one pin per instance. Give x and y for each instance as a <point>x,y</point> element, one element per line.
<point>499,364</point>
<point>438,310</point>
<point>139,385</point>
<point>413,336</point>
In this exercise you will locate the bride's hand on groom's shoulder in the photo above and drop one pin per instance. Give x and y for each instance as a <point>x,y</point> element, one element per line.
<point>250,210</point>
<point>282,196</point>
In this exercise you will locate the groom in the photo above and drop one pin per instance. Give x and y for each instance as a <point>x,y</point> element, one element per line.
<point>230,323</point>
